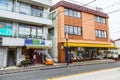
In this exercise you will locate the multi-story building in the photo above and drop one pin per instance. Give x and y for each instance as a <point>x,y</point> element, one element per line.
<point>117,43</point>
<point>24,28</point>
<point>87,30</point>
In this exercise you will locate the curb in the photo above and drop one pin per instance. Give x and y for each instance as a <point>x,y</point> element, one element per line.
<point>47,67</point>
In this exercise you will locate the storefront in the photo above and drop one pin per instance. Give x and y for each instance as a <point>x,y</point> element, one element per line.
<point>10,51</point>
<point>37,50</point>
<point>83,52</point>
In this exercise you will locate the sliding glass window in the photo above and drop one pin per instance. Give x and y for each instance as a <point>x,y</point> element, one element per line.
<point>33,32</point>
<point>39,32</point>
<point>6,5</point>
<point>25,8</point>
<point>24,31</point>
<point>37,11</point>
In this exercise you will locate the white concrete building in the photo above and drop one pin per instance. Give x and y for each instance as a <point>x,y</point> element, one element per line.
<point>117,44</point>
<point>24,26</point>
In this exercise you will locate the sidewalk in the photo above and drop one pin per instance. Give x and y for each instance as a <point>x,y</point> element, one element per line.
<point>15,69</point>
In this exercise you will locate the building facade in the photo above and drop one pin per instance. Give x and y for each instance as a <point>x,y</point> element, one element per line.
<point>87,31</point>
<point>117,43</point>
<point>24,26</point>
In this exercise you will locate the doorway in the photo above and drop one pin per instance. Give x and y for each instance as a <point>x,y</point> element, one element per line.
<point>11,57</point>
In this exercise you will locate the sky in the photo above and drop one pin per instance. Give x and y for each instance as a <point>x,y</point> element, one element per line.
<point>112,7</point>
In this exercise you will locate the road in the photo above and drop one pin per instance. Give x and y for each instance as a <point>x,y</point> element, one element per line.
<point>54,73</point>
<point>106,74</point>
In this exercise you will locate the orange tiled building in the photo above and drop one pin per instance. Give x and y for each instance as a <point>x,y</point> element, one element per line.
<point>88,32</point>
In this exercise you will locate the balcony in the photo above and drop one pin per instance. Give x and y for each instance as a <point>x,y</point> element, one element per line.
<point>43,3</point>
<point>26,15</point>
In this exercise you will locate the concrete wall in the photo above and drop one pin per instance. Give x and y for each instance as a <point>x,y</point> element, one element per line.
<point>25,18</point>
<point>54,49</point>
<point>3,56</point>
<point>19,56</point>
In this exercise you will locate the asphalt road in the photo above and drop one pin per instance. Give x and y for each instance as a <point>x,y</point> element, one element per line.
<point>53,73</point>
<point>106,74</point>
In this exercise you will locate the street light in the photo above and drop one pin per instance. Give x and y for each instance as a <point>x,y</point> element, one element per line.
<point>67,63</point>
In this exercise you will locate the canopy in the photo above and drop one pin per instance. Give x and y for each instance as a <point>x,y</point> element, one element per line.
<point>90,45</point>
<point>37,47</point>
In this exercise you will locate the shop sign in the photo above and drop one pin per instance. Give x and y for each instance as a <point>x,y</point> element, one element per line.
<point>6,31</point>
<point>6,41</point>
<point>38,42</point>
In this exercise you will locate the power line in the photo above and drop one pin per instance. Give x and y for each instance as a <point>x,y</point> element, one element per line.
<point>75,8</point>
<point>114,11</point>
<point>112,5</point>
<point>89,3</point>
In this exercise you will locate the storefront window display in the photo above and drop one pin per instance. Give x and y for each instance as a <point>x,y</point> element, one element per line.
<point>83,55</point>
<point>35,56</point>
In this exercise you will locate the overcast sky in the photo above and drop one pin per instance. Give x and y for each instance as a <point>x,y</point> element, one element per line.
<point>108,6</point>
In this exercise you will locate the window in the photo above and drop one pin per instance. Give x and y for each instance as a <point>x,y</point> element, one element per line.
<point>39,32</point>
<point>101,34</point>
<point>100,19</point>
<point>6,5</point>
<point>53,15</point>
<point>105,34</point>
<point>79,31</point>
<point>104,21</point>
<point>37,11</point>
<point>75,14</point>
<point>70,29</point>
<point>25,8</point>
<point>78,14</point>
<point>97,34</point>
<point>75,31</point>
<point>72,13</point>
<point>24,30</point>
<point>66,29</point>
<point>33,32</point>
<point>51,31</point>
<point>66,12</point>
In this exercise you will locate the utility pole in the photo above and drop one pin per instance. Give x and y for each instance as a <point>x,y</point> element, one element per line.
<point>67,57</point>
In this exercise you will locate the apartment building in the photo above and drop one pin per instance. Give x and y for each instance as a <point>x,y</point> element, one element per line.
<point>87,31</point>
<point>24,26</point>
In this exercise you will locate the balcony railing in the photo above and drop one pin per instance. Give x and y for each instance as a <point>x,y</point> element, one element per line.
<point>23,34</point>
<point>25,10</point>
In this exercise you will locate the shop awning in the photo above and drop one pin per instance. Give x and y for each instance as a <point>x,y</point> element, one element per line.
<point>90,45</point>
<point>37,47</point>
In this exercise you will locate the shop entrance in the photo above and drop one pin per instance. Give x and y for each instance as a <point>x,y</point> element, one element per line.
<point>35,56</point>
<point>11,57</point>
